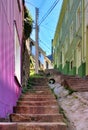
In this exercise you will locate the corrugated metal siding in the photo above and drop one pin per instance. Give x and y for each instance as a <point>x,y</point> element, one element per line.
<point>9,91</point>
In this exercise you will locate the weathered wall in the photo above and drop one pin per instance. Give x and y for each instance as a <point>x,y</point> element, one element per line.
<point>9,90</point>
<point>26,63</point>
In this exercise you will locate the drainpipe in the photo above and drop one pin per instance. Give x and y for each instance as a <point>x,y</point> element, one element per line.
<point>83,52</point>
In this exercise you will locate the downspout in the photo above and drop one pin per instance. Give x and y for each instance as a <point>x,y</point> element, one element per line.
<point>83,44</point>
<point>83,51</point>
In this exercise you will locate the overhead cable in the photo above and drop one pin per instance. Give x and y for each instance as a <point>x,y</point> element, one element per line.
<point>49,11</point>
<point>44,44</point>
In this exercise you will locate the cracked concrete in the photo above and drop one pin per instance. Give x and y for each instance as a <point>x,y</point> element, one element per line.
<point>75,106</point>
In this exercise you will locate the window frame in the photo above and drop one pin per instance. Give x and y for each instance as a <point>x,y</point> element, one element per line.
<point>78,17</point>
<point>17,54</point>
<point>71,32</point>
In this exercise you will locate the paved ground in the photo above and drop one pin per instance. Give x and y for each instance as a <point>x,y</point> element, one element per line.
<point>75,107</point>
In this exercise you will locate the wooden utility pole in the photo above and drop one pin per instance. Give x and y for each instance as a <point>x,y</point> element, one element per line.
<point>36,42</point>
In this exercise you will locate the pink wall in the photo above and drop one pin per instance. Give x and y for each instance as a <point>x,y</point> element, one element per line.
<point>9,90</point>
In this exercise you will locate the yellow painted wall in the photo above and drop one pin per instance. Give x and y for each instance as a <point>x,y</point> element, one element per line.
<point>87,51</point>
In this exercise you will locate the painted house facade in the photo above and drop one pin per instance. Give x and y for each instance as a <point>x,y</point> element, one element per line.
<point>44,61</point>
<point>70,40</point>
<point>11,17</point>
<point>41,54</point>
<point>48,62</point>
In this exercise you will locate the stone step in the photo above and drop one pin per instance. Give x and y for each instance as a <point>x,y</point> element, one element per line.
<point>36,117</point>
<point>37,99</point>
<point>39,81</point>
<point>36,89</point>
<point>36,109</point>
<point>4,119</point>
<point>39,89</point>
<point>42,126</point>
<point>39,92</point>
<point>8,126</point>
<point>76,83</point>
<point>33,126</point>
<point>37,103</point>
<point>33,95</point>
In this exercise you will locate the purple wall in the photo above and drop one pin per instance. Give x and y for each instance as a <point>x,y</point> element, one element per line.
<point>9,90</point>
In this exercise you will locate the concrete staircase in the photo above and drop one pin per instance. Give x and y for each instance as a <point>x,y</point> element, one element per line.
<point>37,109</point>
<point>72,82</point>
<point>76,83</point>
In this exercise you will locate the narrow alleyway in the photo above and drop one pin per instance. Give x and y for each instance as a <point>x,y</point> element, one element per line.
<point>37,109</point>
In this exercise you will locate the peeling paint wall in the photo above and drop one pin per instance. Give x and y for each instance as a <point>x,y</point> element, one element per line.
<point>10,14</point>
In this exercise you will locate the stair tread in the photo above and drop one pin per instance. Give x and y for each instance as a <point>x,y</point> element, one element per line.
<point>42,123</point>
<point>37,114</point>
<point>36,117</point>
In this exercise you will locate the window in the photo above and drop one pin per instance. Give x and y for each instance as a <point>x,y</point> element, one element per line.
<point>61,57</point>
<point>39,63</point>
<point>66,44</point>
<point>17,55</point>
<point>47,66</point>
<point>71,32</point>
<point>71,65</point>
<point>39,54</point>
<point>78,18</point>
<point>60,34</point>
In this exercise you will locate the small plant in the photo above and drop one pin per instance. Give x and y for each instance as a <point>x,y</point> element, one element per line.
<point>24,90</point>
<point>63,113</point>
<point>29,84</point>
<point>75,96</point>
<point>70,90</point>
<point>36,76</point>
<point>27,23</point>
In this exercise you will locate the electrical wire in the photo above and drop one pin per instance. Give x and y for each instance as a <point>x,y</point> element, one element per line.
<point>50,29</point>
<point>44,44</point>
<point>49,11</point>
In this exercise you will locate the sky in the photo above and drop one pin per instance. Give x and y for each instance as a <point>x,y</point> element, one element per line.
<point>47,27</point>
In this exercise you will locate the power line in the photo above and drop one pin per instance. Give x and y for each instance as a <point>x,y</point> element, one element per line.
<point>44,34</point>
<point>44,44</point>
<point>44,48</point>
<point>50,29</point>
<point>49,11</point>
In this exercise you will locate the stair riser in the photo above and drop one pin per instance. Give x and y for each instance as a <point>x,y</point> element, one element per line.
<point>40,103</point>
<point>43,86</point>
<point>36,99</point>
<point>36,118</point>
<point>42,127</point>
<point>39,92</point>
<point>32,127</point>
<point>35,110</point>
<point>40,89</point>
<point>37,96</point>
<point>8,126</point>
